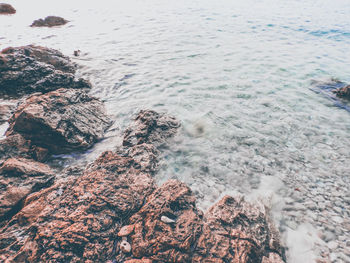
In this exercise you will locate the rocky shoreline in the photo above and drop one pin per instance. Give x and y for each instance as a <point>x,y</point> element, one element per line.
<point>112,210</point>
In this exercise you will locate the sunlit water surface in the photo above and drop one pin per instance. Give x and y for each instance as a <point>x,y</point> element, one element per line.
<point>237,74</point>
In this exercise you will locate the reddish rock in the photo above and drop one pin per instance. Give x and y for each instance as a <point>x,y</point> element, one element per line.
<point>80,222</point>
<point>150,127</point>
<point>28,69</point>
<point>126,230</point>
<point>343,92</point>
<point>163,242</point>
<point>17,146</point>
<point>6,9</point>
<point>19,178</point>
<point>49,21</point>
<point>236,231</point>
<point>60,121</point>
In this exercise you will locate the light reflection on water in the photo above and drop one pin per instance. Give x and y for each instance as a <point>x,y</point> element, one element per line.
<point>236,73</point>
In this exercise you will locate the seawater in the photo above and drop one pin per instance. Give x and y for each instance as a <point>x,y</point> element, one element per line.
<point>237,74</point>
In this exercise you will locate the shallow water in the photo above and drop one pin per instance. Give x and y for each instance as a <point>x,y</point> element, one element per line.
<point>238,75</point>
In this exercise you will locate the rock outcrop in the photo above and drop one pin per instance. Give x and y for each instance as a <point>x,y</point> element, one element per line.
<point>49,21</point>
<point>61,121</point>
<point>237,231</point>
<point>19,178</point>
<point>6,9</point>
<point>28,69</point>
<point>150,127</point>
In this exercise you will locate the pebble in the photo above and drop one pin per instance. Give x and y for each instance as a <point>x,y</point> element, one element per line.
<point>167,220</point>
<point>125,246</point>
<point>332,245</point>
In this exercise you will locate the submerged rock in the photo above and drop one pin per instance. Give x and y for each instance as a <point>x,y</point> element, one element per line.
<point>49,21</point>
<point>62,121</point>
<point>237,231</point>
<point>28,69</point>
<point>343,92</point>
<point>150,127</point>
<point>6,9</point>
<point>19,178</point>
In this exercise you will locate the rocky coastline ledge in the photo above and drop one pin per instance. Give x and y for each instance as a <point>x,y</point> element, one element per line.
<point>112,210</point>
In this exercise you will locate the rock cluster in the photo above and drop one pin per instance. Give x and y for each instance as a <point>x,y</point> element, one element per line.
<point>49,21</point>
<point>111,211</point>
<point>343,92</point>
<point>28,69</point>
<point>6,9</point>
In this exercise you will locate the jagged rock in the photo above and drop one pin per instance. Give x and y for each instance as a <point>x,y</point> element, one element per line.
<point>17,146</point>
<point>19,178</point>
<point>236,231</point>
<point>145,156</point>
<point>60,121</point>
<point>79,221</point>
<point>343,92</point>
<point>6,9</point>
<point>49,21</point>
<point>28,69</point>
<point>150,127</point>
<point>163,242</point>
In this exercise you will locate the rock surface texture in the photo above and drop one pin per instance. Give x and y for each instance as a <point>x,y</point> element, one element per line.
<point>6,9</point>
<point>28,69</point>
<point>49,21</point>
<point>113,211</point>
<point>60,121</point>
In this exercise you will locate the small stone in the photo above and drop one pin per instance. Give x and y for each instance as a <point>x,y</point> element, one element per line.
<point>126,230</point>
<point>167,220</point>
<point>332,245</point>
<point>125,246</point>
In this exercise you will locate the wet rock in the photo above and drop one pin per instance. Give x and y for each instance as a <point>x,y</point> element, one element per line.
<point>150,127</point>
<point>145,156</point>
<point>28,69</point>
<point>236,231</point>
<point>49,21</point>
<point>79,223</point>
<point>163,242</point>
<point>19,178</point>
<point>17,146</point>
<point>125,247</point>
<point>343,92</point>
<point>60,121</point>
<point>272,258</point>
<point>6,9</point>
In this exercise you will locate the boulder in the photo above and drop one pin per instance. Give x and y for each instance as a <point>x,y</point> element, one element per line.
<point>167,226</point>
<point>6,9</point>
<point>237,231</point>
<point>29,69</point>
<point>19,178</point>
<point>49,21</point>
<point>61,121</point>
<point>150,127</point>
<point>6,110</point>
<point>79,221</point>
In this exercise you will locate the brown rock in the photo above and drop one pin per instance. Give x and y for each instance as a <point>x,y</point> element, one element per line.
<point>19,178</point>
<point>28,69</point>
<point>61,121</point>
<point>164,242</point>
<point>49,21</point>
<point>17,146</point>
<point>235,231</point>
<point>81,222</point>
<point>6,9</point>
<point>150,127</point>
<point>272,258</point>
<point>144,260</point>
